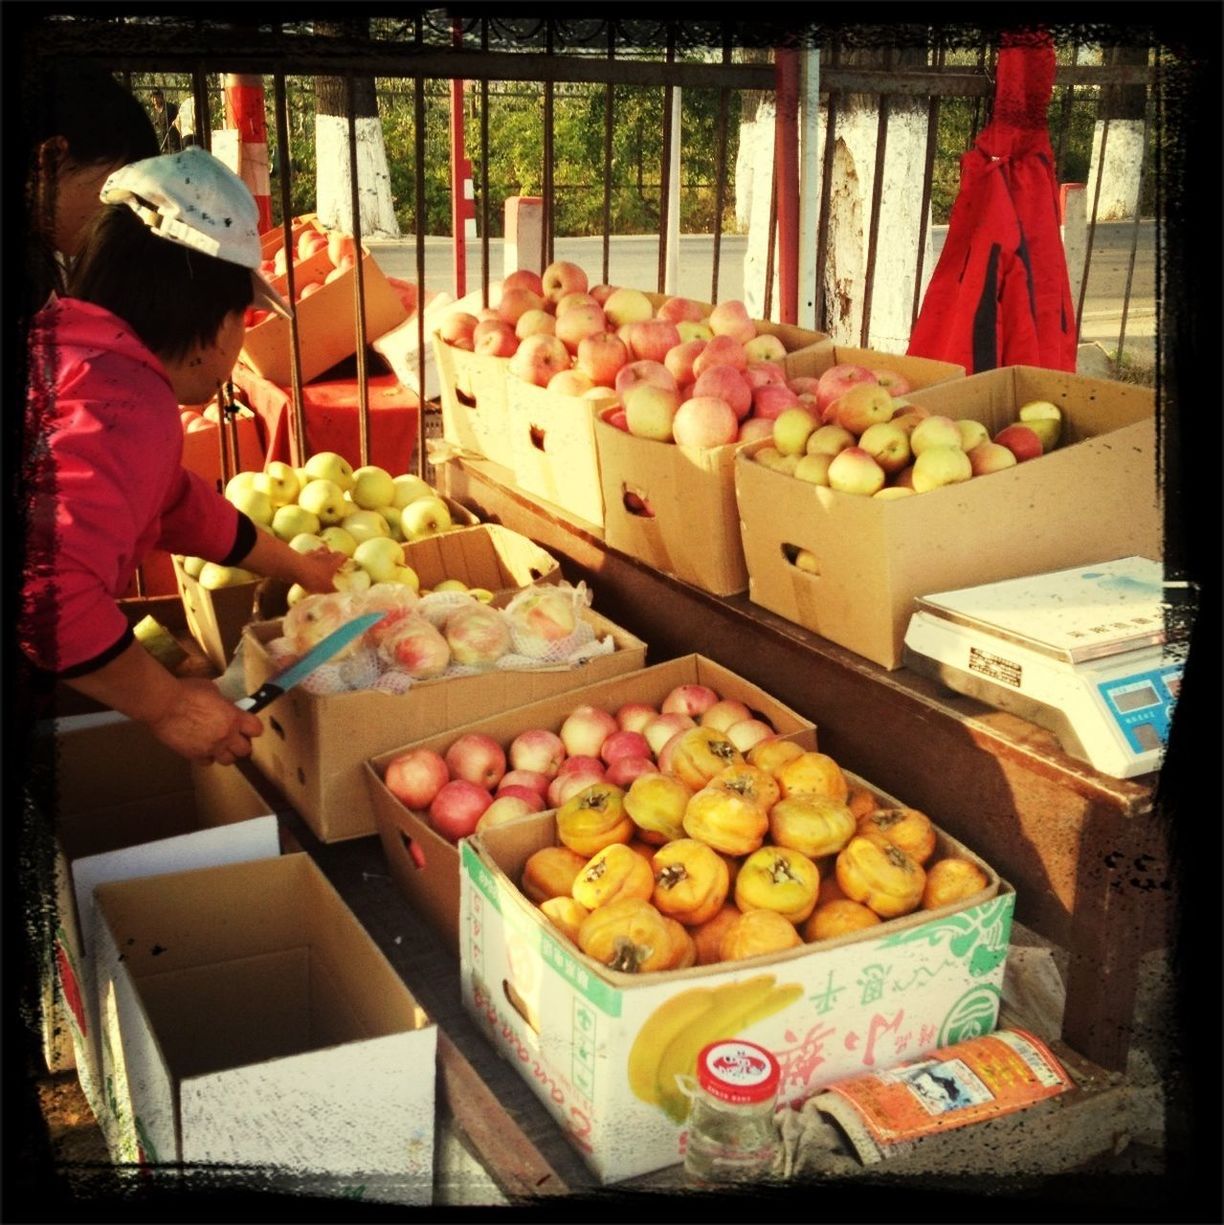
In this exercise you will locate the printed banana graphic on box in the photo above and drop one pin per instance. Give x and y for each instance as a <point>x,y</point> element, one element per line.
<point>673,1035</point>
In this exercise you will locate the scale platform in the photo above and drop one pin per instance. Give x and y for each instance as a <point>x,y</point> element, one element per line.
<point>1082,652</point>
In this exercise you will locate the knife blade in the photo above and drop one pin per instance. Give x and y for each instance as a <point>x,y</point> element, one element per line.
<point>320,653</point>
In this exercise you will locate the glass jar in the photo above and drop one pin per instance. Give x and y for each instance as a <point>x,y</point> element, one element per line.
<point>732,1135</point>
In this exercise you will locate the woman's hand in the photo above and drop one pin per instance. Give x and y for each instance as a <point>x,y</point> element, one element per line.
<point>205,726</point>
<point>318,569</point>
<point>273,557</point>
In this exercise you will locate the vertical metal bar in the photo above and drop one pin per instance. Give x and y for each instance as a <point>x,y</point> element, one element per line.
<point>1096,196</point>
<point>363,382</point>
<point>720,173</point>
<point>546,247</point>
<point>484,180</point>
<point>229,415</point>
<point>665,163</point>
<point>1130,267</point>
<point>419,138</point>
<point>873,226</point>
<point>928,175</point>
<point>826,182</point>
<point>297,431</point>
<point>786,176</point>
<point>203,118</point>
<point>1064,118</point>
<point>607,183</point>
<point>222,442</point>
<point>772,238</point>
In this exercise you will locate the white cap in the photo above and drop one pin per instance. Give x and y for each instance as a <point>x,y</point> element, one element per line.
<point>194,199</point>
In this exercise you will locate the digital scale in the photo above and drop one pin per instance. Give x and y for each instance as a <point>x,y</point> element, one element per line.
<point>1082,652</point>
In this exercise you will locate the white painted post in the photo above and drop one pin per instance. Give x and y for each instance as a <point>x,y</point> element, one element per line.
<point>811,153</point>
<point>1120,176</point>
<point>1075,233</point>
<point>757,146</point>
<point>671,273</point>
<point>524,242</point>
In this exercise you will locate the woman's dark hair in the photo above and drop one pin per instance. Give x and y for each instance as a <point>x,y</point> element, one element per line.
<point>101,124</point>
<point>170,296</point>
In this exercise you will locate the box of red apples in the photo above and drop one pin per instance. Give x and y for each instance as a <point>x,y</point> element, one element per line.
<point>842,545</point>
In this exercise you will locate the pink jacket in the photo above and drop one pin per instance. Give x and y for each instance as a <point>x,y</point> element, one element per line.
<point>105,484</point>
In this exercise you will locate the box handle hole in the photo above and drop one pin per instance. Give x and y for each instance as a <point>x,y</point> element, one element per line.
<point>276,727</point>
<point>520,1006</point>
<point>803,560</point>
<point>301,776</point>
<point>468,401</point>
<point>413,847</point>
<point>537,438</point>
<point>635,501</point>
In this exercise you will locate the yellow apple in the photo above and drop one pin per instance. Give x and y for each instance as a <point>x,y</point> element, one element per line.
<point>380,557</point>
<point>339,540</point>
<point>424,517</point>
<point>324,498</point>
<point>307,542</point>
<point>329,466</point>
<point>364,525</point>
<point>372,487</point>
<point>408,488</point>
<point>241,480</point>
<point>1045,420</point>
<point>409,577</point>
<point>253,503</point>
<point>292,520</point>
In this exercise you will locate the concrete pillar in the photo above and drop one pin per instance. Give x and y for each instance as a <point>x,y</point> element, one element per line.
<point>757,154</point>
<point>1075,234</point>
<point>671,273</point>
<point>524,242</point>
<point>1120,176</point>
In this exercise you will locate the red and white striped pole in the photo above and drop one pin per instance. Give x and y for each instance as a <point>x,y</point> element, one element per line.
<point>244,110</point>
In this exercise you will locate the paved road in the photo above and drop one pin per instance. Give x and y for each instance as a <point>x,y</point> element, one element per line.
<point>634,260</point>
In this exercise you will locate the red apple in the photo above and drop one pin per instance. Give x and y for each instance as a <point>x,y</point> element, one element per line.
<point>310,241</point>
<point>644,372</point>
<point>730,318</point>
<point>650,339</point>
<point>533,322</point>
<point>704,421</point>
<point>679,360</point>
<point>415,777</point>
<point>601,293</point>
<point>524,778</point>
<point>494,337</point>
<point>533,798</point>
<point>888,444</point>
<point>515,302</point>
<point>764,348</point>
<point>854,471</point>
<point>579,322</point>
<point>650,411</point>
<point>341,248</point>
<point>476,758</point>
<point>1021,440</point>
<point>581,763</point>
<point>585,729</point>
<point>575,299</point>
<point>574,383</point>
<point>754,428</point>
<point>537,750</point>
<point>720,351</point>
<point>989,457</point>
<point>562,277</point>
<point>624,770</point>
<point>863,405</point>
<point>524,278</point>
<point>620,744</point>
<point>458,329</point>
<point>723,713</point>
<point>749,732</point>
<point>690,699</point>
<point>772,400</point>
<point>676,310</point>
<point>505,808</point>
<point>633,716</point>
<point>602,358</point>
<point>457,808</point>
<point>566,785</point>
<point>728,384</point>
<point>897,384</point>
<point>837,380</point>
<point>761,374</point>
<point>538,358</point>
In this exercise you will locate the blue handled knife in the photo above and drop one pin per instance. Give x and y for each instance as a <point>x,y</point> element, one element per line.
<point>320,653</point>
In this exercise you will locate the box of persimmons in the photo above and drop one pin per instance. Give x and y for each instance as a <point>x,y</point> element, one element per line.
<point>770,895</point>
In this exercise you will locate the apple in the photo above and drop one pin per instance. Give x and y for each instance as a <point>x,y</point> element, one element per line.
<point>829,440</point>
<point>730,318</point>
<point>309,242</point>
<point>677,310</point>
<point>644,371</point>
<point>457,808</point>
<point>804,385</point>
<point>534,321</point>
<point>351,578</point>
<point>506,808</point>
<point>621,743</point>
<point>517,302</point>
<point>938,466</point>
<point>425,517</point>
<point>477,635</point>
<point>416,776</point>
<point>457,329</point>
<point>754,429</point>
<point>240,480</point>
<point>602,358</point>
<point>624,770</point>
<point>329,466</point>
<point>650,339</point>
<point>896,384</point>
<point>972,433</point>
<point>564,786</point>
<point>748,733</point>
<point>634,716</point>
<point>380,557</point>
<point>540,619</point>
<point>523,278</point>
<point>616,418</point>
<point>723,713</point>
<point>572,383</point>
<point>340,247</point>
<point>570,300</point>
<point>1045,420</point>
<point>525,780</point>
<point>372,487</point>
<point>650,411</point>
<point>791,431</point>
<point>728,384</point>
<point>679,360</point>
<point>365,525</point>
<point>904,479</point>
<point>890,493</point>
<point>694,329</point>
<point>773,399</point>
<point>494,338</point>
<point>989,457</point>
<point>284,485</point>
<point>338,540</point>
<point>659,731</point>
<point>907,416</point>
<point>292,521</point>
<point>538,751</point>
<point>213,576</point>
<point>854,471</point>
<point>720,351</point>
<point>585,729</point>
<point>306,542</point>
<point>763,348</point>
<point>935,431</point>
<point>837,380</point>
<point>863,405</point>
<point>627,306</point>
<point>690,698</point>
<point>579,322</point>
<point>476,758</point>
<point>763,374</point>
<point>704,421</point>
<point>409,487</point>
<point>888,444</point>
<point>1021,440</point>
<point>601,293</point>
<point>813,468</point>
<point>581,763</point>
<point>562,277</point>
<point>538,358</point>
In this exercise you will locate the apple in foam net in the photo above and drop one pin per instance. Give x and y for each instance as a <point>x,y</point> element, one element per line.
<point>680,358</point>
<point>863,405</point>
<point>538,358</point>
<point>477,636</point>
<point>1021,440</point>
<point>720,351</point>
<point>934,431</point>
<point>854,471</point>
<point>602,357</point>
<point>494,338</point>
<point>704,421</point>
<point>730,318</point>
<point>660,730</point>
<point>579,322</point>
<point>537,750</point>
<point>939,466</point>
<point>562,277</point>
<point>457,808</point>
<point>989,457</point>
<point>650,339</point>
<point>415,777</point>
<point>416,647</point>
<point>627,306</point>
<point>585,729</point>
<point>476,758</point>
<point>725,383</point>
<point>650,411</point>
<point>838,379</point>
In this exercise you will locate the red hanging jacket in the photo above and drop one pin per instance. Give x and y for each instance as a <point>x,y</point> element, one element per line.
<point>999,295</point>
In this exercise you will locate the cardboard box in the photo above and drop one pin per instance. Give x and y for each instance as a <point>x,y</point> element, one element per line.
<point>216,617</point>
<point>314,748</point>
<point>425,865</point>
<point>327,320</point>
<point>1092,499</point>
<point>272,240</point>
<point>473,392</point>
<point>919,372</point>
<point>255,1027</point>
<point>856,1003</point>
<point>124,806</point>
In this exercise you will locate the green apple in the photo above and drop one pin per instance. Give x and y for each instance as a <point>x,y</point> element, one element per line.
<point>284,482</point>
<point>1045,420</point>
<point>338,540</point>
<point>192,566</point>
<point>379,557</point>
<point>408,576</point>
<point>253,503</point>
<point>372,487</point>
<point>351,578</point>
<point>483,594</point>
<point>295,593</point>
<point>293,520</point>
<point>364,525</point>
<point>213,576</point>
<point>450,584</point>
<point>324,498</point>
<point>307,542</point>
<point>241,480</point>
<point>329,466</point>
<point>408,488</point>
<point>424,517</point>
<point>392,515</point>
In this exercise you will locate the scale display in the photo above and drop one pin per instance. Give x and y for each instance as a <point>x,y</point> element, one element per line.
<point>1142,706</point>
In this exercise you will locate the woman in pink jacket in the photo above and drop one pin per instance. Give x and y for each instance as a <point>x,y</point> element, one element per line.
<point>153,319</point>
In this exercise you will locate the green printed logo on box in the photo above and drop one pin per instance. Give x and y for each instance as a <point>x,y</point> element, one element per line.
<point>480,875</point>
